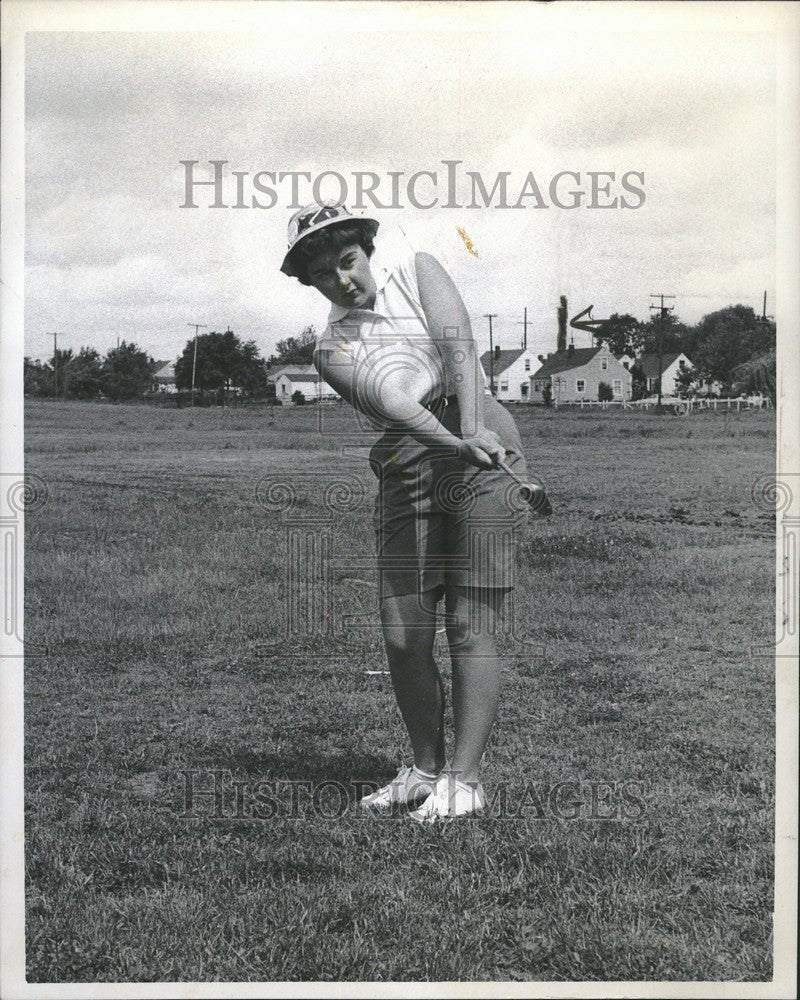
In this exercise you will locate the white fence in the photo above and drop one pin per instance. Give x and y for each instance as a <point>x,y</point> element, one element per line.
<point>672,403</point>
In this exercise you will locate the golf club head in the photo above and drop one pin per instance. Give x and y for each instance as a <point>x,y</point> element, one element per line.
<point>536,498</point>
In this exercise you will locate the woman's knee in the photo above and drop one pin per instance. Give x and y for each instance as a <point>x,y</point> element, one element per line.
<point>471,620</point>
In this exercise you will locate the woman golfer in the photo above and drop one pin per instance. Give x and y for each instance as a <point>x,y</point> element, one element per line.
<point>399,349</point>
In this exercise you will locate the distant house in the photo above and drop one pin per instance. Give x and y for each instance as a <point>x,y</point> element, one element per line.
<point>626,360</point>
<point>303,378</point>
<point>575,374</point>
<point>511,371</point>
<point>672,365</point>
<point>164,376</point>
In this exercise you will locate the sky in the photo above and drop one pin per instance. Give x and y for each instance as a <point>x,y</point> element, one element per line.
<point>689,103</point>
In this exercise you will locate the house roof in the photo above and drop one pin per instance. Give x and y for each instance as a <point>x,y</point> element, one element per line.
<point>502,360</point>
<point>649,363</point>
<point>562,361</point>
<point>166,371</point>
<point>293,371</point>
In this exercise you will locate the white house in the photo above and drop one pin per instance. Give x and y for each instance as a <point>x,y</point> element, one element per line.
<point>672,365</point>
<point>626,360</point>
<point>511,371</point>
<point>302,378</point>
<point>164,376</point>
<point>576,373</point>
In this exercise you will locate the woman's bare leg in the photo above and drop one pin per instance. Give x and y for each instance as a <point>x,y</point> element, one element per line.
<point>409,628</point>
<point>471,616</point>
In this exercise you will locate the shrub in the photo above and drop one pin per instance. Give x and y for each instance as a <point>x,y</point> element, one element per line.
<point>604,392</point>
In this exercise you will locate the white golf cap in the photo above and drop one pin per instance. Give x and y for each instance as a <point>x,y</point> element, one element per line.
<point>317,216</point>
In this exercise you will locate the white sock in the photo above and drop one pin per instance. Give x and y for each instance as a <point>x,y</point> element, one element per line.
<point>423,774</point>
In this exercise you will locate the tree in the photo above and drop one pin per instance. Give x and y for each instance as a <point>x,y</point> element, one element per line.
<point>728,339</point>
<point>59,364</point>
<point>295,350</point>
<point>673,334</point>
<point>757,376</point>
<point>686,382</point>
<point>83,376</point>
<point>604,392</point>
<point>547,394</point>
<point>622,333</point>
<point>638,382</point>
<point>222,361</point>
<point>298,398</point>
<point>126,372</point>
<point>37,378</point>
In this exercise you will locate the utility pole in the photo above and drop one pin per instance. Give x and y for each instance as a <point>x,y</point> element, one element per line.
<point>662,313</point>
<point>490,317</point>
<point>194,361</point>
<point>524,325</point>
<point>55,362</point>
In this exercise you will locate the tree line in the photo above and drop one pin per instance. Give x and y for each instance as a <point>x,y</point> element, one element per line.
<point>732,347</point>
<point>127,373</point>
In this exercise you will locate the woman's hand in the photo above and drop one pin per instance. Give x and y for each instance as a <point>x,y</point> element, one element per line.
<point>482,449</point>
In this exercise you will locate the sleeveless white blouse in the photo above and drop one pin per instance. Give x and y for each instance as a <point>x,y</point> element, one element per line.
<point>395,328</point>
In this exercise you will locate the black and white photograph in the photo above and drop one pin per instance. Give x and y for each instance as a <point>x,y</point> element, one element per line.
<point>400,499</point>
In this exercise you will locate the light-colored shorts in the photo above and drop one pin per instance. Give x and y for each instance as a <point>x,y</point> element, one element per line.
<point>441,523</point>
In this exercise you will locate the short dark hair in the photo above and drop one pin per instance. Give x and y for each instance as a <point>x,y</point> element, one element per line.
<point>334,237</point>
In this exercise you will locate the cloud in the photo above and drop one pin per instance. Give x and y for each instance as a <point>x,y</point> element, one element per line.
<point>109,117</point>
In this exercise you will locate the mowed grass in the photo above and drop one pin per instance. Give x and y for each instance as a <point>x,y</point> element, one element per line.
<point>636,656</point>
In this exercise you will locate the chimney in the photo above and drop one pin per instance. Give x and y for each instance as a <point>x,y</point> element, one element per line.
<point>561,342</point>
<point>570,349</point>
<point>497,352</point>
<point>541,358</point>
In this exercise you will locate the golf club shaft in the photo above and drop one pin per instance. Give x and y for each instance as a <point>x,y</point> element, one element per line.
<point>510,472</point>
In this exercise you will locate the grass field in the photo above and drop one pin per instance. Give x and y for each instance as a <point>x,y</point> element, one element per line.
<point>635,671</point>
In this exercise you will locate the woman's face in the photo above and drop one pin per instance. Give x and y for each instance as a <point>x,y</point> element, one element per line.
<point>344,277</point>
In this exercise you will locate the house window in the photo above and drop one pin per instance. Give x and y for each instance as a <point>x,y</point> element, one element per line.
<point>527,364</point>
<point>283,388</point>
<point>681,363</point>
<point>617,386</point>
<point>603,364</point>
<point>523,389</point>
<point>504,387</point>
<point>580,385</point>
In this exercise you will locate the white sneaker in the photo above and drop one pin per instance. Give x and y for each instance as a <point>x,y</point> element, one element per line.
<point>449,799</point>
<point>409,787</point>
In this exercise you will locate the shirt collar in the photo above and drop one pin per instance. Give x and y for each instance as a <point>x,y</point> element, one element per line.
<point>381,272</point>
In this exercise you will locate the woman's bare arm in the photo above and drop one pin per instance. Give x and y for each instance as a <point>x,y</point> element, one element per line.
<point>387,395</point>
<point>449,326</point>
